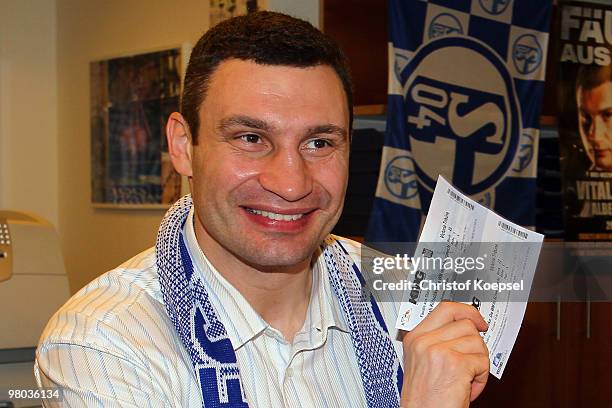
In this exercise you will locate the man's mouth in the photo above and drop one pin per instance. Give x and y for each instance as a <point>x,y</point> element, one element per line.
<point>276,216</point>
<point>284,220</point>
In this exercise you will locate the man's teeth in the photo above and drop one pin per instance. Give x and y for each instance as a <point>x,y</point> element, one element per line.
<point>275,216</point>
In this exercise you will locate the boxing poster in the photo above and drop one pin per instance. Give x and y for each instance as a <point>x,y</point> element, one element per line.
<point>585,119</point>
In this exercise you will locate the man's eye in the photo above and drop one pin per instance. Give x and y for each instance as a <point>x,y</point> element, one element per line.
<point>318,144</point>
<point>251,138</point>
<point>585,122</point>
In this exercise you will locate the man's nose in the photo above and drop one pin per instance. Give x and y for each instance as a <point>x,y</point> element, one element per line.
<point>287,175</point>
<point>598,129</point>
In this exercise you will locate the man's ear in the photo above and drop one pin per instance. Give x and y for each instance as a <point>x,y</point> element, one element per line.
<point>179,143</point>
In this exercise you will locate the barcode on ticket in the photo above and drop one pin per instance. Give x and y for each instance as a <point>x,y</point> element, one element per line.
<point>460,199</point>
<point>512,230</point>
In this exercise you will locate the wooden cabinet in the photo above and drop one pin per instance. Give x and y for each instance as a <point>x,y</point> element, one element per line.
<point>587,349</point>
<point>544,370</point>
<point>533,375</point>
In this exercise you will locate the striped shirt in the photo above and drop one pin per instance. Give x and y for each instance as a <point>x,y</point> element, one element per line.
<point>113,345</point>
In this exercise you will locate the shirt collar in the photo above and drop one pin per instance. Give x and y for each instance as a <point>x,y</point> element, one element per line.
<point>329,313</point>
<point>241,321</point>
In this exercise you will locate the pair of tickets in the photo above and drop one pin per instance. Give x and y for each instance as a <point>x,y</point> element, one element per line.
<point>497,260</point>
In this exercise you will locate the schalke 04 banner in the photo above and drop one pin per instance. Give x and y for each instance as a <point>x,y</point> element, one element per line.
<point>466,79</point>
<point>585,119</point>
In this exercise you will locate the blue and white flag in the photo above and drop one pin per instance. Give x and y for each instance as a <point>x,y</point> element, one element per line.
<point>466,79</point>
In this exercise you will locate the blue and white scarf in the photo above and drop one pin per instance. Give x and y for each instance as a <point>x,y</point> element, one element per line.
<point>211,351</point>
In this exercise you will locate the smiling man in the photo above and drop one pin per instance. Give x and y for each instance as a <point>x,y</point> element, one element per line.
<point>246,299</point>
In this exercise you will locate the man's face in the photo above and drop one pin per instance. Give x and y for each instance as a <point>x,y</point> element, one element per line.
<point>271,165</point>
<point>595,123</point>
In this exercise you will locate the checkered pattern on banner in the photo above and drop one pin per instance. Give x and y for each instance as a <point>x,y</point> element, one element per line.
<point>466,79</point>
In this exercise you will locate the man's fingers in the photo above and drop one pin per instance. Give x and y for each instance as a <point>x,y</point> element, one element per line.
<point>454,330</point>
<point>471,344</point>
<point>447,346</point>
<point>471,354</point>
<point>447,312</point>
<point>482,365</point>
<point>477,389</point>
<point>475,355</point>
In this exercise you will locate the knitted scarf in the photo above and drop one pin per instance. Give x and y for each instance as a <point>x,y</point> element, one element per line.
<point>205,337</point>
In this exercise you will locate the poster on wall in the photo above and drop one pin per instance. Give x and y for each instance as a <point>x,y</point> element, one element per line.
<point>131,99</point>
<point>223,9</point>
<point>466,80</point>
<point>585,119</point>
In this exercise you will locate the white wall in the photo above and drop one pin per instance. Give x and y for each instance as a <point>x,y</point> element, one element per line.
<point>28,107</point>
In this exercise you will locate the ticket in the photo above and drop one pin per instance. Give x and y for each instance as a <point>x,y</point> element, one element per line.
<point>470,254</point>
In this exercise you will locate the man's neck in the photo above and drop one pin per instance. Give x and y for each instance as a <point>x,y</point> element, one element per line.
<point>281,296</point>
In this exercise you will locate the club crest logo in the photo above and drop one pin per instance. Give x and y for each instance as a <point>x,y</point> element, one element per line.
<point>401,59</point>
<point>444,24</point>
<point>464,126</point>
<point>494,7</point>
<point>525,153</point>
<point>400,178</point>
<point>526,54</point>
<point>497,359</point>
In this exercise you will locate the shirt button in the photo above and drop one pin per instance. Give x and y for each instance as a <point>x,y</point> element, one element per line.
<point>289,372</point>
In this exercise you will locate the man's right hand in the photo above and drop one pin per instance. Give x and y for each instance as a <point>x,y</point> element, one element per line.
<point>446,362</point>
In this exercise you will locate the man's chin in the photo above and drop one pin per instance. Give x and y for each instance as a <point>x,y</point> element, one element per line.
<point>279,255</point>
<point>605,165</point>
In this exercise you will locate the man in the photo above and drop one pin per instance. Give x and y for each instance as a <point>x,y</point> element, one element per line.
<point>594,101</point>
<point>247,300</point>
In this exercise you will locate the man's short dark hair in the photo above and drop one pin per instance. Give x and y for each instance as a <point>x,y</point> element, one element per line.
<point>267,38</point>
<point>591,76</point>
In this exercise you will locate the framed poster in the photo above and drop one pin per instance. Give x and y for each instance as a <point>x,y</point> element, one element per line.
<point>131,99</point>
<point>585,119</point>
<point>223,9</point>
